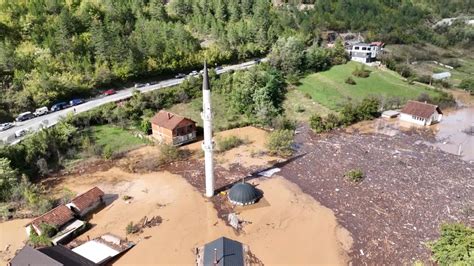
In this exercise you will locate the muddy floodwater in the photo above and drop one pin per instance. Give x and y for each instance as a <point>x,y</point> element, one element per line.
<point>455,133</point>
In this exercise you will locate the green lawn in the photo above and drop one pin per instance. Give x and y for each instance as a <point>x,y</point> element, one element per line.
<point>115,137</point>
<point>329,89</point>
<point>300,107</point>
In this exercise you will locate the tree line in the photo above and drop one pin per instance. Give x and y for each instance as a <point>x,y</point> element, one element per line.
<point>57,50</point>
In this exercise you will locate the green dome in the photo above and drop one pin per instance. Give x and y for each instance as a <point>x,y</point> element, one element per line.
<point>243,194</point>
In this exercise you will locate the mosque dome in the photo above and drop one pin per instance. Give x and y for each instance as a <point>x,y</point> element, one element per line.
<point>243,194</point>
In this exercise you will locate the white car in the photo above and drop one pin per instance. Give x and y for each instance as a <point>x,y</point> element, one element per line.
<point>41,111</point>
<point>5,126</point>
<point>20,133</point>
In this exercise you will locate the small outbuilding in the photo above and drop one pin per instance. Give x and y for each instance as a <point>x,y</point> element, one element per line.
<point>87,202</point>
<point>103,249</point>
<point>441,76</point>
<point>58,217</point>
<point>243,194</point>
<point>423,114</point>
<point>172,129</point>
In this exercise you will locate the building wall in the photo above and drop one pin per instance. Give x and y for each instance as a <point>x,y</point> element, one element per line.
<point>163,135</point>
<point>415,120</point>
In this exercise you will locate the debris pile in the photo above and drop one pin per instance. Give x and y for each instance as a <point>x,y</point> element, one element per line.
<point>149,223</point>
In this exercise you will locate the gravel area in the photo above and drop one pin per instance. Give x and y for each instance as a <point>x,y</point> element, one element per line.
<point>409,190</point>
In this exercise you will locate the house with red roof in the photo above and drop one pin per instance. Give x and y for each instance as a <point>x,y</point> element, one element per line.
<point>57,217</point>
<point>87,202</point>
<point>172,129</point>
<point>423,114</point>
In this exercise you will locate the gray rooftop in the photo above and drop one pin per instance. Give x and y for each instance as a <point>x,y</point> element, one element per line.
<point>243,194</point>
<point>229,252</point>
<point>32,257</point>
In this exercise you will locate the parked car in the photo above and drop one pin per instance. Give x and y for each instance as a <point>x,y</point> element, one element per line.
<point>257,61</point>
<point>59,106</point>
<point>5,126</point>
<point>193,73</point>
<point>24,116</point>
<point>75,102</point>
<point>218,68</point>
<point>139,85</point>
<point>109,92</point>
<point>41,111</point>
<point>20,133</point>
<point>180,76</point>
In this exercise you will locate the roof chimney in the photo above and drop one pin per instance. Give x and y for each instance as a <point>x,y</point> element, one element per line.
<point>169,115</point>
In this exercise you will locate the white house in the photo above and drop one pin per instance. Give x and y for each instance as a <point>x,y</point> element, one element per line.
<point>365,52</point>
<point>423,114</point>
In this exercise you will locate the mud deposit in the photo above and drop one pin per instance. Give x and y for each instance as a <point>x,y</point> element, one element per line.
<point>409,190</point>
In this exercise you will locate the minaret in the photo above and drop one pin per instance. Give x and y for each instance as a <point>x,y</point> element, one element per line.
<point>208,144</point>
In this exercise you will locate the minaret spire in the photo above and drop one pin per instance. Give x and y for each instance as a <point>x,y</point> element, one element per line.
<point>208,144</point>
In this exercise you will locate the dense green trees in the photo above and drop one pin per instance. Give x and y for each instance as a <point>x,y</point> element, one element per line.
<point>455,245</point>
<point>56,50</point>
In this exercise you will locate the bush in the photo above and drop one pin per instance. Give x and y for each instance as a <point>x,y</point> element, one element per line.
<point>107,153</point>
<point>361,72</point>
<point>300,109</point>
<point>145,126</point>
<point>424,79</point>
<point>455,245</point>
<point>131,228</point>
<point>350,81</point>
<point>229,143</point>
<point>467,84</point>
<point>280,141</point>
<point>170,153</point>
<point>281,122</point>
<point>126,197</point>
<point>47,231</point>
<point>308,96</point>
<point>354,175</point>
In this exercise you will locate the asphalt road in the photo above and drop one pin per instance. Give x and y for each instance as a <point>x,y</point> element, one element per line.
<point>8,136</point>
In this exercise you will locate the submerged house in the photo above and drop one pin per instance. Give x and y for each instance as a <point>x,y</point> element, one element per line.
<point>223,251</point>
<point>62,219</point>
<point>50,256</point>
<point>103,249</point>
<point>87,202</point>
<point>172,129</point>
<point>423,114</point>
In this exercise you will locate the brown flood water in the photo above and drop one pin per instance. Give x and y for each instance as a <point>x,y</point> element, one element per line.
<point>451,133</point>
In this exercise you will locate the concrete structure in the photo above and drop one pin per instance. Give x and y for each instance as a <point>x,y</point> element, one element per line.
<point>172,129</point>
<point>422,114</point>
<point>68,232</point>
<point>102,249</point>
<point>208,144</point>
<point>390,114</point>
<point>365,52</point>
<point>223,251</point>
<point>87,202</point>
<point>49,256</point>
<point>243,194</point>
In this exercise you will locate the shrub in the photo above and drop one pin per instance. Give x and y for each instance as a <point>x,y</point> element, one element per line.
<point>350,81</point>
<point>316,123</point>
<point>281,122</point>
<point>300,109</point>
<point>126,197</point>
<point>131,228</point>
<point>170,153</point>
<point>280,141</point>
<point>354,175</point>
<point>361,72</point>
<point>145,126</point>
<point>67,196</point>
<point>308,96</point>
<point>455,245</point>
<point>107,152</point>
<point>424,79</point>
<point>467,84</point>
<point>229,143</point>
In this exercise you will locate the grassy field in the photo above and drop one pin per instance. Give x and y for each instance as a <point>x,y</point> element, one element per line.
<point>116,138</point>
<point>329,88</point>
<point>300,107</point>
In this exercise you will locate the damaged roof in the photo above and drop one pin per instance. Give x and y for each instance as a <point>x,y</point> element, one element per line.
<point>87,198</point>
<point>424,110</point>
<point>168,120</point>
<point>58,217</point>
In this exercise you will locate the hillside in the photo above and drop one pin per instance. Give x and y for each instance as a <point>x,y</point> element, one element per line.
<point>329,89</point>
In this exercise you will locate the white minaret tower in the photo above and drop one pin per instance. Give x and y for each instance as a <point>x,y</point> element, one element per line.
<point>208,144</point>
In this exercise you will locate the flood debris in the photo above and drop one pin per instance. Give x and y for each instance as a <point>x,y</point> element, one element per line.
<point>410,189</point>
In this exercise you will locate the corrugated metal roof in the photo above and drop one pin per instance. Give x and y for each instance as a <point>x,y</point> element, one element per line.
<point>229,252</point>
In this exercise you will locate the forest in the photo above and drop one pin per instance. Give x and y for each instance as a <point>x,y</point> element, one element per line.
<point>52,50</point>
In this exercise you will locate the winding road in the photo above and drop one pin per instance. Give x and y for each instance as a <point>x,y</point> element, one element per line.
<point>32,125</point>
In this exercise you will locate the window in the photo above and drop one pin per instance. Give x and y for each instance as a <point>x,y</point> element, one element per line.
<point>364,48</point>
<point>356,48</point>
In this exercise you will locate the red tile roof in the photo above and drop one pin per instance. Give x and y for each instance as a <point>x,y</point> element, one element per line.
<point>168,120</point>
<point>88,198</point>
<point>424,110</point>
<point>58,217</point>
